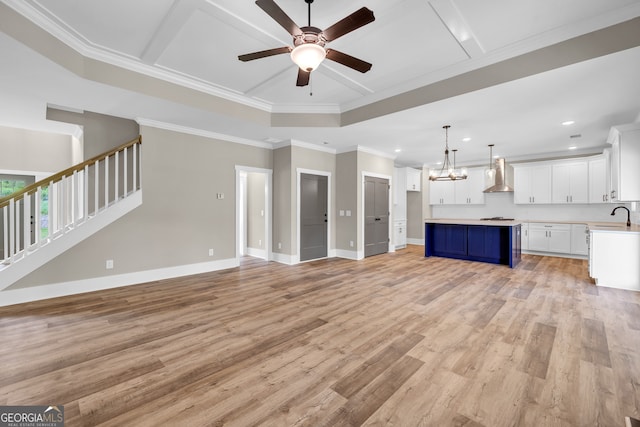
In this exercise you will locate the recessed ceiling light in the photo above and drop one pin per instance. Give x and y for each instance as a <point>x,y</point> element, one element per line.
<point>397,150</point>
<point>573,147</point>
<point>568,123</point>
<point>439,163</point>
<point>467,139</point>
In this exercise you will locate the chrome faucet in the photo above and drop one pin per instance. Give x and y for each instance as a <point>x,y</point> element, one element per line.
<point>613,212</point>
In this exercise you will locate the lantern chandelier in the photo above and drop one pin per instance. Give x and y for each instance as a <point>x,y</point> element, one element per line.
<point>448,172</point>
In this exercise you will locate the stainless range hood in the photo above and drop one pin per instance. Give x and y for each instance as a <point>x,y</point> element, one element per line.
<point>503,178</point>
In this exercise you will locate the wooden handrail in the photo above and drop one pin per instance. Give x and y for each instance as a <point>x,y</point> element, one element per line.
<point>58,176</point>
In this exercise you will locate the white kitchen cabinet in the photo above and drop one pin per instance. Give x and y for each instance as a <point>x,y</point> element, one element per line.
<point>569,182</point>
<point>400,234</point>
<point>579,239</point>
<point>442,192</point>
<point>554,238</point>
<point>470,191</point>
<point>625,158</point>
<point>532,183</point>
<point>613,259</point>
<point>524,236</point>
<point>413,179</point>
<point>599,178</point>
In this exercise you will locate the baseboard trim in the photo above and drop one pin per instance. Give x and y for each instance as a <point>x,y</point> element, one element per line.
<point>555,254</point>
<point>419,242</point>
<point>36,293</point>
<point>284,258</point>
<point>257,253</point>
<point>354,255</point>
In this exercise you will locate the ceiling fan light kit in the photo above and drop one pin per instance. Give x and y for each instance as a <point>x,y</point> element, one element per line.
<point>308,56</point>
<point>309,42</point>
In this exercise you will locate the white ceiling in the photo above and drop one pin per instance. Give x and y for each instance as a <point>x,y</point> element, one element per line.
<point>413,44</point>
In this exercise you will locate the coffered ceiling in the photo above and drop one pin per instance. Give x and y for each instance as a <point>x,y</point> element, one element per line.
<point>497,71</point>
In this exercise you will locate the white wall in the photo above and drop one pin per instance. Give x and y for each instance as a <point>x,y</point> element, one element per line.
<point>501,204</point>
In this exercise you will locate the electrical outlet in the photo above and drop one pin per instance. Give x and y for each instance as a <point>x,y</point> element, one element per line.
<point>109,264</point>
<point>351,243</point>
<point>279,245</point>
<point>210,252</point>
<point>260,243</point>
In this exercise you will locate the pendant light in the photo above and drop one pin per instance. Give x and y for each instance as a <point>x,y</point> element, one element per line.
<point>490,174</point>
<point>448,171</point>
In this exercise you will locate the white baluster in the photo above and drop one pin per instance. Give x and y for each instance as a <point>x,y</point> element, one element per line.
<point>116,177</point>
<point>106,182</point>
<point>37,201</point>
<point>134,178</point>
<point>5,232</point>
<point>96,187</point>
<point>126,173</point>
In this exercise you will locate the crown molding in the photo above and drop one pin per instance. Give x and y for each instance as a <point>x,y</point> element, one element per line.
<point>367,150</point>
<point>307,145</point>
<point>200,132</point>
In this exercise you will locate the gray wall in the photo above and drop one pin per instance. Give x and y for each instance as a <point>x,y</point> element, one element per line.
<point>101,132</point>
<point>347,199</point>
<point>375,164</point>
<point>180,218</point>
<point>415,218</point>
<point>286,162</point>
<point>282,200</point>
<point>26,150</point>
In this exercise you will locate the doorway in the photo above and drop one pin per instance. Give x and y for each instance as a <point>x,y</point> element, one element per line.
<point>253,212</point>
<point>314,220</point>
<point>376,215</point>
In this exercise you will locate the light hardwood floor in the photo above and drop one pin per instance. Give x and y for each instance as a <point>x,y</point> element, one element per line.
<point>393,340</point>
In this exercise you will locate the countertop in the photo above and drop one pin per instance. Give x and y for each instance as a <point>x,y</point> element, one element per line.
<point>596,226</point>
<point>472,222</point>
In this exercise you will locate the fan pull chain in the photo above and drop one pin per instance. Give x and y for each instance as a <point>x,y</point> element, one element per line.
<point>310,85</point>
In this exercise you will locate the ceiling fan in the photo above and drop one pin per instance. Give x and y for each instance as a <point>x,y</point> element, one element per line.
<point>309,42</point>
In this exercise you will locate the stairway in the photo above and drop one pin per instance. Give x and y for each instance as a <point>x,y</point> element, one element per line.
<point>50,216</point>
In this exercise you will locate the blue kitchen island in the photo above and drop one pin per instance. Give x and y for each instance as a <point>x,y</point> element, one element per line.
<point>494,241</point>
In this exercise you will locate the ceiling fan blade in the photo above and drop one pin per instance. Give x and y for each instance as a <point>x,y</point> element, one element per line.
<point>348,60</point>
<point>278,15</point>
<point>303,77</point>
<point>264,53</point>
<point>352,22</point>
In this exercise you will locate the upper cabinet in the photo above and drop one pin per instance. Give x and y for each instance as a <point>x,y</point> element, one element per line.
<point>460,192</point>
<point>413,179</point>
<point>470,191</point>
<point>532,183</point>
<point>625,158</point>
<point>442,192</point>
<point>569,182</point>
<point>599,178</point>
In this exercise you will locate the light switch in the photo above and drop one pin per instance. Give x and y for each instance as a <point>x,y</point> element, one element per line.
<point>341,212</point>
<point>348,213</point>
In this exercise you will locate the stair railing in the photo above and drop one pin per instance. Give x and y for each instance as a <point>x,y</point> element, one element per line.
<point>49,208</point>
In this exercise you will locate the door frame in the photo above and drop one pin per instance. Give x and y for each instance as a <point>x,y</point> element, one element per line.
<point>365,174</point>
<point>268,214</point>
<point>299,172</point>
